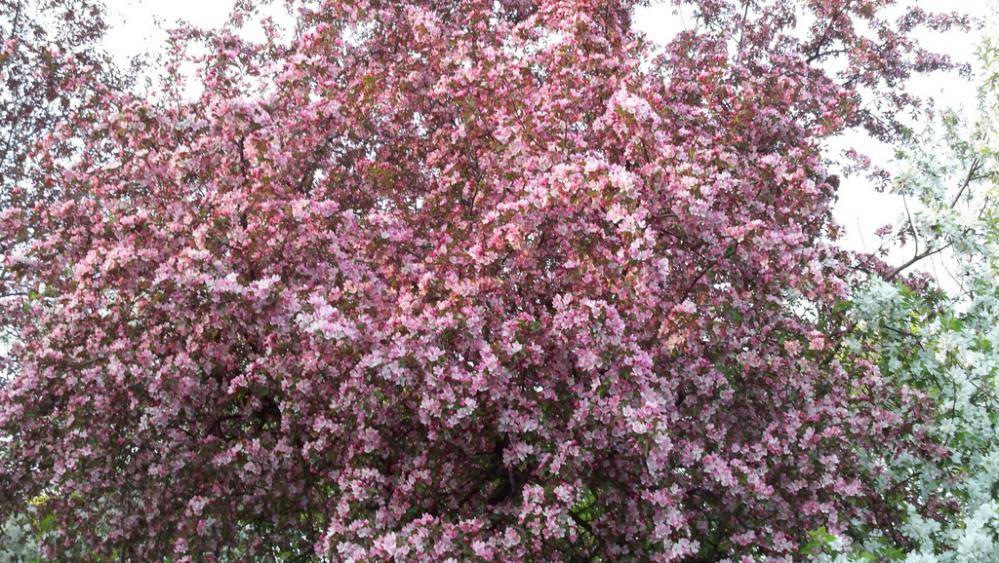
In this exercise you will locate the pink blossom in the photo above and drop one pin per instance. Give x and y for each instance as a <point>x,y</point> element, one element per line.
<point>428,280</point>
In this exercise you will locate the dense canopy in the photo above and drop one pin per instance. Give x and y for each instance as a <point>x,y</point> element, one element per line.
<point>461,279</point>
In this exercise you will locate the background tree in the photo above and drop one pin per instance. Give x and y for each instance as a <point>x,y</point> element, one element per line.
<point>39,38</point>
<point>939,334</point>
<point>51,68</point>
<point>460,279</point>
<point>53,74</point>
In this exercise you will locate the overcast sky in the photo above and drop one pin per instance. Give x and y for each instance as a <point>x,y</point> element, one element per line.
<point>860,209</point>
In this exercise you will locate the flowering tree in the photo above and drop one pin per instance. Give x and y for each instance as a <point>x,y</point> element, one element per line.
<point>50,70</point>
<point>435,280</point>
<point>942,337</point>
<point>54,75</point>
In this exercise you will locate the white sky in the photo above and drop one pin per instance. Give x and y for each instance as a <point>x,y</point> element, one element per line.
<point>860,209</point>
<point>134,22</point>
